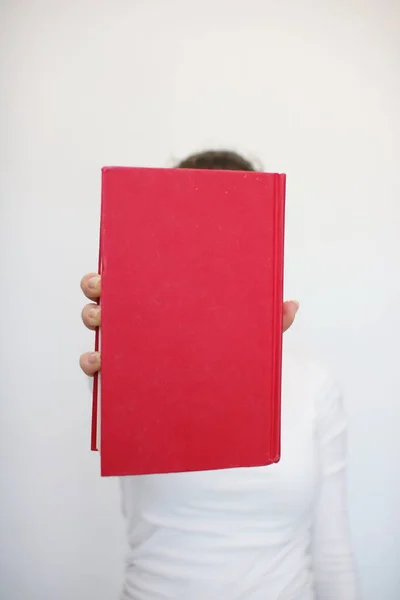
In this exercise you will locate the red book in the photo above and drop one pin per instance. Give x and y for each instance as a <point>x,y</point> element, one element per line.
<point>191,336</point>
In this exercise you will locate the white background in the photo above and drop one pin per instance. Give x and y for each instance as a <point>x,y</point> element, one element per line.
<point>309,88</point>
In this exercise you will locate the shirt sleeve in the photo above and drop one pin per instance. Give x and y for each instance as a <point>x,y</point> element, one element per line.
<point>333,561</point>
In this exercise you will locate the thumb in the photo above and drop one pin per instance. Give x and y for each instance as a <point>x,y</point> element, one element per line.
<point>290,309</point>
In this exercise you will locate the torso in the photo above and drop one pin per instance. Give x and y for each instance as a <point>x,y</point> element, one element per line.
<point>238,534</point>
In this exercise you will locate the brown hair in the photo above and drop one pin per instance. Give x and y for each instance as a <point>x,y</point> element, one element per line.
<point>224,160</point>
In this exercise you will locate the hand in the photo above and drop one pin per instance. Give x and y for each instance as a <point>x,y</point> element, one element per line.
<point>91,316</point>
<point>91,287</point>
<point>290,309</point>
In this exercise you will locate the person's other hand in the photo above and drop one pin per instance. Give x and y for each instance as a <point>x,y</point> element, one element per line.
<point>290,309</point>
<point>91,316</point>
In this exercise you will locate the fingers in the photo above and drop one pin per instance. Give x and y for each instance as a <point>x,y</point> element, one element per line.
<point>90,363</point>
<point>91,286</point>
<point>91,316</point>
<point>290,309</point>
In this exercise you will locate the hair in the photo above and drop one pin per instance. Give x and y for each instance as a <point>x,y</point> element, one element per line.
<point>224,160</point>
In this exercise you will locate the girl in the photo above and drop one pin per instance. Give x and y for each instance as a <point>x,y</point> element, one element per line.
<point>267,533</point>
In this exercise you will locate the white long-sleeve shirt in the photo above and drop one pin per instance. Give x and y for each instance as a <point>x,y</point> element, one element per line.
<point>267,533</point>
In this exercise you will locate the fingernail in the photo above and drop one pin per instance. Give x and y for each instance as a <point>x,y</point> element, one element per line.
<point>297,304</point>
<point>93,358</point>
<point>93,282</point>
<point>93,313</point>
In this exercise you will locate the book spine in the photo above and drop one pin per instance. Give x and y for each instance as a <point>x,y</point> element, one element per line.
<point>279,227</point>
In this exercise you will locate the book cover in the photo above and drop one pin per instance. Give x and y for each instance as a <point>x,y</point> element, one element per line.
<point>191,336</point>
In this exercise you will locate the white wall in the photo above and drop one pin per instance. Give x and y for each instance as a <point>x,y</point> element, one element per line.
<point>310,88</point>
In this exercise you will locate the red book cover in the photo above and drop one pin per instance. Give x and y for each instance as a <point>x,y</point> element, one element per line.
<point>191,336</point>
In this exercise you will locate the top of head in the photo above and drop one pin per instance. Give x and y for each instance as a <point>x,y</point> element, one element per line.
<point>218,160</point>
